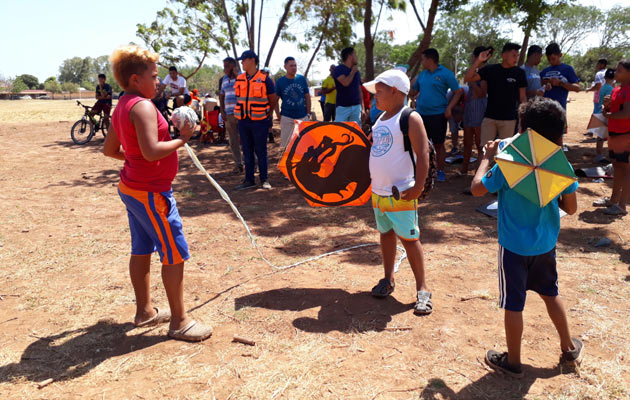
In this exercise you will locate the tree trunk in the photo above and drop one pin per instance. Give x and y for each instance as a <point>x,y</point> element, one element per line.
<point>414,60</point>
<point>281,25</point>
<point>231,32</point>
<point>262,3</point>
<point>246,19</point>
<point>252,19</point>
<point>368,41</point>
<point>521,57</point>
<point>319,44</point>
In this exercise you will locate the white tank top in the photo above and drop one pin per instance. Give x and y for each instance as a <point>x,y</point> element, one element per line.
<point>390,164</point>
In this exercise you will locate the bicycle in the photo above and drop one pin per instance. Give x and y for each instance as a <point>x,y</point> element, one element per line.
<point>84,129</point>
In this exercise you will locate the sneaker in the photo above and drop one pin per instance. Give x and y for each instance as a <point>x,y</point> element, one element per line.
<point>498,362</point>
<point>574,356</point>
<point>245,185</point>
<point>237,170</point>
<point>614,209</point>
<point>601,159</point>
<point>441,176</point>
<point>424,305</point>
<point>266,185</point>
<point>603,202</point>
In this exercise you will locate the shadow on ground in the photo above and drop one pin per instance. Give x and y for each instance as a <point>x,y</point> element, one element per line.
<point>71,354</point>
<point>340,310</point>
<point>491,386</point>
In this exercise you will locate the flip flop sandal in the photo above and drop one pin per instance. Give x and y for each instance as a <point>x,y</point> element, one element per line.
<point>383,288</point>
<point>424,305</point>
<point>193,332</point>
<point>160,316</point>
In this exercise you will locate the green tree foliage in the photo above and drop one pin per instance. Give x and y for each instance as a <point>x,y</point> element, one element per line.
<point>76,70</point>
<point>31,81</point>
<point>567,25</point>
<point>187,29</point>
<point>615,31</point>
<point>51,85</point>
<point>529,14</point>
<point>69,87</point>
<point>330,28</point>
<point>459,32</point>
<point>18,85</point>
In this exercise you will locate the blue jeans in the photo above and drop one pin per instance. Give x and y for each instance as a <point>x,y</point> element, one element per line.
<point>254,140</point>
<point>352,113</point>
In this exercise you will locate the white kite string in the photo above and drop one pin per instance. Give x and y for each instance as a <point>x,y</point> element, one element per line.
<point>225,197</point>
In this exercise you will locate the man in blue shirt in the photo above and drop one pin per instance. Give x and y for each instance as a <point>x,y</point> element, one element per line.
<point>431,87</point>
<point>558,78</point>
<point>296,100</point>
<point>348,83</point>
<point>527,243</point>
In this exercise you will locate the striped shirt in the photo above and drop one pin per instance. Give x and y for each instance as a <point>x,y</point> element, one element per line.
<point>227,89</point>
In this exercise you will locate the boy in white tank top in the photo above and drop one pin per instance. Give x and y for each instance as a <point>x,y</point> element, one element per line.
<point>395,210</point>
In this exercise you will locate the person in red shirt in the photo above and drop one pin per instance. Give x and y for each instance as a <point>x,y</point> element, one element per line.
<point>617,110</point>
<point>139,136</point>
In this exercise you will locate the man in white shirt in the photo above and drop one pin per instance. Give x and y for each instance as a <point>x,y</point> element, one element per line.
<point>177,86</point>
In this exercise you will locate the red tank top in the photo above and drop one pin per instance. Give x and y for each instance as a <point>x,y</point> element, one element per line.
<point>138,173</point>
<point>619,96</point>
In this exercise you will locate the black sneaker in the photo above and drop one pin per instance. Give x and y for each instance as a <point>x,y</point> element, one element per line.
<point>245,185</point>
<point>498,362</point>
<point>574,356</point>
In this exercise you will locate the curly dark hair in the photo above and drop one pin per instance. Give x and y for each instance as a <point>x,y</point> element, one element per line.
<point>545,116</point>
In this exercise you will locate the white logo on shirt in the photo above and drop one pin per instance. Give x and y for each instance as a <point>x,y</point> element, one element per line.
<point>383,141</point>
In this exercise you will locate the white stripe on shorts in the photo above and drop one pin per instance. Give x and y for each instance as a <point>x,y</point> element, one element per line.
<point>502,294</point>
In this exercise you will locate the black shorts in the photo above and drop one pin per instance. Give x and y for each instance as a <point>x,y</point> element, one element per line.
<point>518,274</point>
<point>435,125</point>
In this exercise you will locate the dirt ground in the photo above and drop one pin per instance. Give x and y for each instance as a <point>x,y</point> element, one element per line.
<point>66,300</point>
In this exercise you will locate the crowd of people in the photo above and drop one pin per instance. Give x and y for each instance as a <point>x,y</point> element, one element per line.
<point>497,101</point>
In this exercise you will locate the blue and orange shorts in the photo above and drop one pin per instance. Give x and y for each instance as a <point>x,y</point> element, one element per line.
<point>155,224</point>
<point>399,215</point>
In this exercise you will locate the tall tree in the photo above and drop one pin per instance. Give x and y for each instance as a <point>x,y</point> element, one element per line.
<point>330,31</point>
<point>427,28</point>
<point>368,35</point>
<point>529,14</point>
<point>567,25</point>
<point>189,29</point>
<point>31,81</point>
<point>615,31</point>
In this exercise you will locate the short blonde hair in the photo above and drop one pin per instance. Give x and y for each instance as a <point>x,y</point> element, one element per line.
<point>129,60</point>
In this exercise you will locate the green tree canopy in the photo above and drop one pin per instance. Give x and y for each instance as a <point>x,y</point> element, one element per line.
<point>31,81</point>
<point>18,85</point>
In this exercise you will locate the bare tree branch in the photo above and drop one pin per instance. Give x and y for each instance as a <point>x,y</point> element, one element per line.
<point>281,24</point>
<point>415,10</point>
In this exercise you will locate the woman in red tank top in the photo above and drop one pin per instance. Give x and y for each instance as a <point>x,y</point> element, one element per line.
<point>139,136</point>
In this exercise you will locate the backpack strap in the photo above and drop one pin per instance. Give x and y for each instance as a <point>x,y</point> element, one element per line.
<point>404,127</point>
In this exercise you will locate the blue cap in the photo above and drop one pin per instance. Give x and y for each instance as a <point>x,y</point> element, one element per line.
<point>247,54</point>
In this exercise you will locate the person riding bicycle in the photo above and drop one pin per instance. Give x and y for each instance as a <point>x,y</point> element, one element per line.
<point>178,87</point>
<point>103,99</point>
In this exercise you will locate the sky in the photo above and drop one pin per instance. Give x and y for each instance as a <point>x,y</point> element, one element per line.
<point>42,33</point>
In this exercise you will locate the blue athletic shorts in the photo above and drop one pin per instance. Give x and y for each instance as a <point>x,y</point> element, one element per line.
<point>155,224</point>
<point>399,215</point>
<point>518,274</point>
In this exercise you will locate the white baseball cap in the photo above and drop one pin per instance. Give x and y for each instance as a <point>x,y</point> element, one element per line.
<point>392,78</point>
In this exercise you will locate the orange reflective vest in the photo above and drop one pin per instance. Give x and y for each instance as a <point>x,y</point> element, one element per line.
<point>251,97</point>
